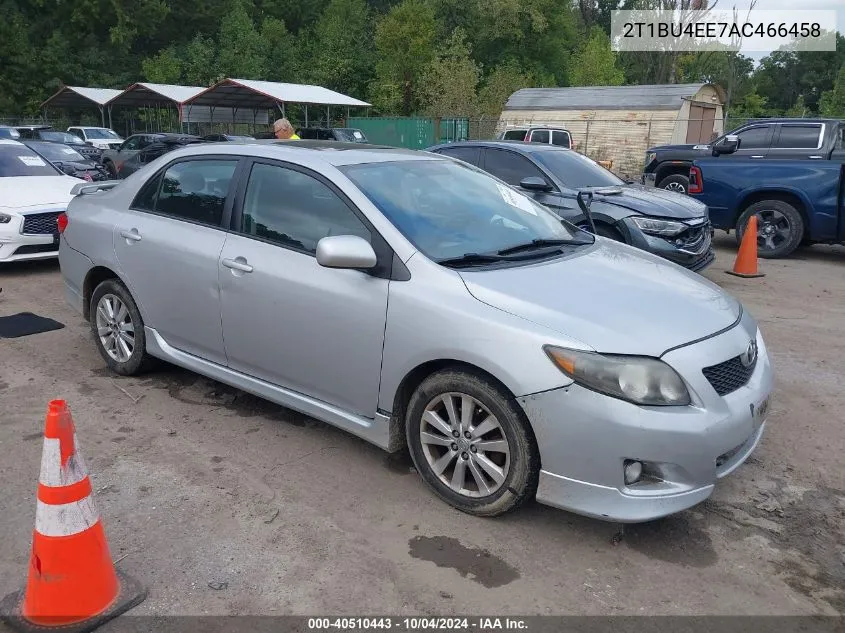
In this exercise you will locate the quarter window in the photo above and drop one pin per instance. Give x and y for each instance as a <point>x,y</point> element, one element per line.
<point>293,209</point>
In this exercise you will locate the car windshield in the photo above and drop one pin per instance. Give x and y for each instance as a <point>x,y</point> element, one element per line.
<point>101,133</point>
<point>350,135</point>
<point>19,160</point>
<point>576,171</point>
<point>60,137</point>
<point>449,209</point>
<point>57,152</point>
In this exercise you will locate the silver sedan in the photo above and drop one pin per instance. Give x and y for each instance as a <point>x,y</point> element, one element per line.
<point>416,301</point>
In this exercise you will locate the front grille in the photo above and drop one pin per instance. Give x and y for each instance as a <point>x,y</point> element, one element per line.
<point>694,239</point>
<point>729,376</point>
<point>41,223</point>
<point>29,249</point>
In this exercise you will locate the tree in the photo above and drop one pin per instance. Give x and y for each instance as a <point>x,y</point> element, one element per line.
<point>595,64</point>
<point>500,84</point>
<point>198,64</point>
<point>449,82</point>
<point>752,106</point>
<point>404,39</point>
<point>163,68</point>
<point>832,102</point>
<point>282,60</point>
<point>239,45</point>
<point>343,59</point>
<point>799,110</point>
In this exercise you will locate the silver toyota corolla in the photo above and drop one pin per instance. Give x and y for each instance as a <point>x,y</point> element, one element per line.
<point>413,300</point>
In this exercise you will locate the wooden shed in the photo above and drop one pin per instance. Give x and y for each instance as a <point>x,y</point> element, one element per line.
<point>619,123</point>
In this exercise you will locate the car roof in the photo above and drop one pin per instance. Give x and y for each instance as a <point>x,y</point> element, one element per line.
<point>330,152</point>
<point>791,120</point>
<point>518,146</point>
<point>88,127</point>
<point>511,128</point>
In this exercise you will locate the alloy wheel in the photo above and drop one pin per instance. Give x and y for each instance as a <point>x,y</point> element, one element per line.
<point>675,186</point>
<point>773,229</point>
<point>464,445</point>
<point>115,328</point>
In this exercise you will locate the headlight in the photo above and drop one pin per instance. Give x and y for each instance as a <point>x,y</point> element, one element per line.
<point>637,379</point>
<point>650,157</point>
<point>5,219</point>
<point>653,226</point>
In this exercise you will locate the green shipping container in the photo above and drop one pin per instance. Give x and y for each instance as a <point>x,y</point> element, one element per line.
<point>410,132</point>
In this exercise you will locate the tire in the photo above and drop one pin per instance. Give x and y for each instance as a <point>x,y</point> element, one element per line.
<point>676,182</point>
<point>110,168</point>
<point>605,230</point>
<point>517,469</point>
<point>780,227</point>
<point>113,293</point>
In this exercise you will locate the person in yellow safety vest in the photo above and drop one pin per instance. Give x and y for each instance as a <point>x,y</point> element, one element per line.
<point>284,130</point>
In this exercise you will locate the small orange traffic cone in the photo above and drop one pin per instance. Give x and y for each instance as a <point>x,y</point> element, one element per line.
<point>72,585</point>
<point>746,259</point>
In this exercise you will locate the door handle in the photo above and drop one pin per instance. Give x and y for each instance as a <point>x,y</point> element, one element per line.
<point>815,156</point>
<point>132,235</point>
<point>239,263</point>
<point>758,156</point>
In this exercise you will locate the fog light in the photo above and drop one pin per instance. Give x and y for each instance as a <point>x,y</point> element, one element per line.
<point>633,471</point>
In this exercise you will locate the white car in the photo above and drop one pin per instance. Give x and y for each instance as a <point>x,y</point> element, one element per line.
<point>33,194</point>
<point>100,137</point>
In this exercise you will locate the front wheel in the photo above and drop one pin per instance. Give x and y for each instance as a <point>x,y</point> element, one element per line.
<point>780,227</point>
<point>471,444</point>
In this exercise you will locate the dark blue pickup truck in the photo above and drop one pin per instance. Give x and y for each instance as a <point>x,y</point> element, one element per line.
<point>798,199</point>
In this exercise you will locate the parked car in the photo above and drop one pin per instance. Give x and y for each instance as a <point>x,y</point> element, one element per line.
<point>164,144</point>
<point>664,223</point>
<point>343,134</point>
<point>9,132</point>
<point>68,160</point>
<point>667,166</point>
<point>48,134</point>
<point>795,200</point>
<point>224,138</point>
<point>538,134</point>
<point>33,194</point>
<point>409,298</point>
<point>99,137</point>
<point>114,159</point>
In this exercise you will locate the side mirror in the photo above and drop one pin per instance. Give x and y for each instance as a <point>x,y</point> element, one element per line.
<point>728,145</point>
<point>535,183</point>
<point>345,251</point>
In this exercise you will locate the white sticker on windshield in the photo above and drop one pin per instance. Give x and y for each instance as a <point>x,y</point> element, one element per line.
<point>32,161</point>
<point>357,134</point>
<point>516,199</point>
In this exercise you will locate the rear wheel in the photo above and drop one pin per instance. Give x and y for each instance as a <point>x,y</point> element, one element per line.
<point>118,329</point>
<point>471,443</point>
<point>676,182</point>
<point>780,227</point>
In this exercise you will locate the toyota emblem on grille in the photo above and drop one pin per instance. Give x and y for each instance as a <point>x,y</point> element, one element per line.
<point>749,356</point>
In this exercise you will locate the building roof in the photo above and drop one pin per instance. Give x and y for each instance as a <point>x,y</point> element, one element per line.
<point>249,93</point>
<point>655,97</point>
<point>147,94</point>
<point>78,97</point>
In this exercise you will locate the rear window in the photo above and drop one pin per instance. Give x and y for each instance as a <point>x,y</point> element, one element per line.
<point>514,135</point>
<point>21,161</point>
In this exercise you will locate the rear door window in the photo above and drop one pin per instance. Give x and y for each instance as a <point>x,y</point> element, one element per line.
<point>799,137</point>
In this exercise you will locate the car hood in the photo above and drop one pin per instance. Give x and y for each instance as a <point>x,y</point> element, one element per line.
<point>611,297</point>
<point>20,192</point>
<point>652,201</point>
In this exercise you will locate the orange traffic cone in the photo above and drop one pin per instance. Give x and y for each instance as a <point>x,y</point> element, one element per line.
<point>72,584</point>
<point>746,259</point>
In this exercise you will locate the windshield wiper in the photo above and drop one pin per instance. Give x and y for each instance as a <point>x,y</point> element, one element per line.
<point>534,244</point>
<point>470,259</point>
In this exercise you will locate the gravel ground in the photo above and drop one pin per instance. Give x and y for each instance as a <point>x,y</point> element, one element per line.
<point>225,504</point>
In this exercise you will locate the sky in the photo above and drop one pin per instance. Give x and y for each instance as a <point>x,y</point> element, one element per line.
<point>775,5</point>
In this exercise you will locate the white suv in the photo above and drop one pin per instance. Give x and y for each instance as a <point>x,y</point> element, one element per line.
<point>101,137</point>
<point>539,134</point>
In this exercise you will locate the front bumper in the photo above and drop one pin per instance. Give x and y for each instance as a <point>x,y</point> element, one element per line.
<point>585,438</point>
<point>694,254</point>
<point>16,246</point>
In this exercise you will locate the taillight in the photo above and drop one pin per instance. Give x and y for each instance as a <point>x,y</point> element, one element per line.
<point>696,184</point>
<point>62,222</point>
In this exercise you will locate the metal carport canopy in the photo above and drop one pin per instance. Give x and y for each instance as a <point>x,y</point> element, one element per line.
<point>253,94</point>
<point>78,97</point>
<point>147,94</point>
